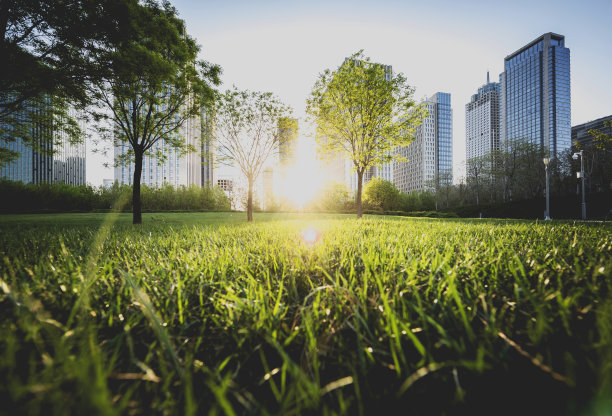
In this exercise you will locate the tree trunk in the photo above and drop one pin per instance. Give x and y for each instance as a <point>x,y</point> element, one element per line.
<point>359,188</point>
<point>136,205</point>
<point>250,202</point>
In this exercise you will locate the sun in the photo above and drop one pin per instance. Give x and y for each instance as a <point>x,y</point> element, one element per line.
<point>301,181</point>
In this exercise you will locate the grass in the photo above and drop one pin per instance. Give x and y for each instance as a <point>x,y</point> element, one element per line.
<point>294,314</point>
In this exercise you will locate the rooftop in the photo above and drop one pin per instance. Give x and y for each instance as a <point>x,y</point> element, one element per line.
<point>533,42</point>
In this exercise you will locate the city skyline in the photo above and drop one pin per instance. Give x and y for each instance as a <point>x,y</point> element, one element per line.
<point>445,47</point>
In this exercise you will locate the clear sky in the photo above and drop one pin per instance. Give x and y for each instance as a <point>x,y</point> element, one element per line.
<point>440,45</point>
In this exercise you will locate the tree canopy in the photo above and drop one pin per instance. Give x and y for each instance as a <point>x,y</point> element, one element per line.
<point>381,194</point>
<point>154,86</point>
<point>48,50</point>
<point>363,111</point>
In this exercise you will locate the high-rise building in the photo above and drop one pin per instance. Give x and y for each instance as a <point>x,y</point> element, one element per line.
<point>581,135</point>
<point>430,155</point>
<point>482,134</point>
<point>177,169</point>
<point>59,161</point>
<point>208,150</point>
<point>384,171</point>
<point>535,94</point>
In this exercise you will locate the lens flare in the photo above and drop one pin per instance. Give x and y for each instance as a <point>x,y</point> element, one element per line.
<point>310,235</point>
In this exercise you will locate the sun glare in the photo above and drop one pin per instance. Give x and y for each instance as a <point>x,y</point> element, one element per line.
<point>301,181</point>
<point>310,235</point>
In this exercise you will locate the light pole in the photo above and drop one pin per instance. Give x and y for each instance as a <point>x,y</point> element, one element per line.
<point>546,161</point>
<point>580,175</point>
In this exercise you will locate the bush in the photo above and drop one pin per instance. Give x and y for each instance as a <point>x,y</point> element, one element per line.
<point>429,214</point>
<point>19,197</point>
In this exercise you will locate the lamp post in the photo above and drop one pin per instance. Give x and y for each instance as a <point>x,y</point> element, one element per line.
<point>580,175</point>
<point>546,161</point>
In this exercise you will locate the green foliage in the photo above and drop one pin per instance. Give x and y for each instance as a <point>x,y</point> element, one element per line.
<point>333,197</point>
<point>49,49</point>
<point>417,201</point>
<point>598,159</point>
<point>381,194</point>
<point>154,90</point>
<point>602,140</point>
<point>363,112</point>
<point>21,197</point>
<point>41,123</point>
<point>215,316</point>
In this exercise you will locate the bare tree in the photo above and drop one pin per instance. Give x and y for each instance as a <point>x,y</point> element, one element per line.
<point>475,168</point>
<point>248,130</point>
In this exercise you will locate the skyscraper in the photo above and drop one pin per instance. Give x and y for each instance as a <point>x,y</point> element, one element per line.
<point>535,94</point>
<point>208,150</point>
<point>482,121</point>
<point>60,162</point>
<point>430,155</point>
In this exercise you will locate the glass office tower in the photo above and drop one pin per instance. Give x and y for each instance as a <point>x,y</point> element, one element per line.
<point>444,136</point>
<point>535,94</point>
<point>60,162</point>
<point>430,155</point>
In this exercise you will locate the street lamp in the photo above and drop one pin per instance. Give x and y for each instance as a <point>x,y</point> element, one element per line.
<point>580,175</point>
<point>546,161</point>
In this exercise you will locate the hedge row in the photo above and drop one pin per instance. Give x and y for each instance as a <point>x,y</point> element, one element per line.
<point>18,197</point>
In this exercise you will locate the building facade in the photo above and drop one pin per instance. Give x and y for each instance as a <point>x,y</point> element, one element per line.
<point>482,130</point>
<point>430,155</point>
<point>207,156</point>
<point>535,95</point>
<point>178,168</point>
<point>59,161</point>
<point>580,133</point>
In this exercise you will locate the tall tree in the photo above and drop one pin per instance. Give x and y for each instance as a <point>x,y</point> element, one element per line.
<point>46,50</point>
<point>154,87</point>
<point>364,112</point>
<point>248,132</point>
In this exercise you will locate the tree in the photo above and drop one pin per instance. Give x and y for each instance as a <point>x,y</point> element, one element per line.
<point>333,196</point>
<point>381,194</point>
<point>364,112</point>
<point>475,168</point>
<point>155,86</point>
<point>47,48</point>
<point>598,158</point>
<point>247,127</point>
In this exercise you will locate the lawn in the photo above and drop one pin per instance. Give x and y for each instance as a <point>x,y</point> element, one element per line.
<point>293,314</point>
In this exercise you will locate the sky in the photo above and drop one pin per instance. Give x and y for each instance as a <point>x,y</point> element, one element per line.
<point>439,45</point>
